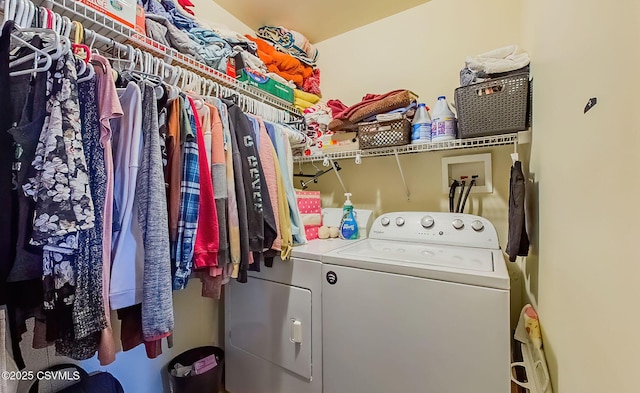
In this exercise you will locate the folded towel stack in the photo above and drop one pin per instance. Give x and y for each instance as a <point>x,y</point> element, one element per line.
<point>303,100</point>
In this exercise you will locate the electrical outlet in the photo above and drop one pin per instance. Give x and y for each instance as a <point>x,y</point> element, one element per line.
<point>470,165</point>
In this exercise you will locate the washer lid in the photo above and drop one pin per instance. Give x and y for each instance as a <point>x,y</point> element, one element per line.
<point>418,255</point>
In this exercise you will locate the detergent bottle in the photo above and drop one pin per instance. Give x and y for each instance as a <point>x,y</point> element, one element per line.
<point>348,225</point>
<point>421,125</point>
<point>443,121</point>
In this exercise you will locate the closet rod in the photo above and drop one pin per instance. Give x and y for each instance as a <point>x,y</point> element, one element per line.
<point>93,36</point>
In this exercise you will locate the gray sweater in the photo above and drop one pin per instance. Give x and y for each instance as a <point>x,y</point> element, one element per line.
<point>157,301</point>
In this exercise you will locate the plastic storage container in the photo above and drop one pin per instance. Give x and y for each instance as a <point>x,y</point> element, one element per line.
<point>209,381</point>
<point>497,106</point>
<point>384,133</point>
<point>421,125</point>
<point>443,121</point>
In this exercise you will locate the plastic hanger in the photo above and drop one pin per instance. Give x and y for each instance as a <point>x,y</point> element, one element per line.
<point>37,56</point>
<point>65,29</point>
<point>31,14</point>
<point>19,13</point>
<point>54,46</point>
<point>85,62</point>
<point>9,10</point>
<point>43,15</point>
<point>515,156</point>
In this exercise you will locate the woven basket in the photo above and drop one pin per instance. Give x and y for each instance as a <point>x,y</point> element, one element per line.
<point>384,133</point>
<point>493,107</point>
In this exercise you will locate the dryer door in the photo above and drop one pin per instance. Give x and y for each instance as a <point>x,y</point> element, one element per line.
<point>272,321</point>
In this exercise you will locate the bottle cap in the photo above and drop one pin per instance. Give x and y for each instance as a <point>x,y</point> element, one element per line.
<point>442,97</point>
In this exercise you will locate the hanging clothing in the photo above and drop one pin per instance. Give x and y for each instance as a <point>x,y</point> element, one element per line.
<point>109,108</point>
<point>88,310</point>
<point>267,159</point>
<point>283,213</point>
<point>28,107</point>
<point>233,229</point>
<point>219,179</point>
<point>157,301</point>
<point>283,150</point>
<point>268,209</point>
<point>173,169</point>
<point>189,199</point>
<point>128,252</point>
<point>7,233</point>
<point>518,243</point>
<point>240,267</point>
<point>60,187</point>
<point>26,113</point>
<point>206,243</point>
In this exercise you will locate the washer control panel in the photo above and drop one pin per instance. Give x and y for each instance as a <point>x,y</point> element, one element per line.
<point>456,229</point>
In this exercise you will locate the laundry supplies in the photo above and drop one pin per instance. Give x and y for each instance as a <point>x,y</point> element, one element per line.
<point>443,121</point>
<point>421,125</point>
<point>348,225</point>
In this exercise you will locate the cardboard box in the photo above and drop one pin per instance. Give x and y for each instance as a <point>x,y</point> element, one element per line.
<point>123,11</point>
<point>267,84</point>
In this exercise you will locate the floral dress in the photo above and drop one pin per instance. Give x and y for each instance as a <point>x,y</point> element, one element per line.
<point>60,188</point>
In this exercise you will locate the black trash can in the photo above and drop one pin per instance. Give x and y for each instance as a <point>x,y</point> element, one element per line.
<point>208,382</point>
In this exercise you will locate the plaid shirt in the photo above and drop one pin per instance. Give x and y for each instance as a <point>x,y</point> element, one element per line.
<point>189,198</point>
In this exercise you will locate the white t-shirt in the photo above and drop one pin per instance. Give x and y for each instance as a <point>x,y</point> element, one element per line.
<point>128,248</point>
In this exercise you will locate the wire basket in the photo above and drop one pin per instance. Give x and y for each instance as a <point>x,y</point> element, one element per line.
<point>493,107</point>
<point>384,133</point>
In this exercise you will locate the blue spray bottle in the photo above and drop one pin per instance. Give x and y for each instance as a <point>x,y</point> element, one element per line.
<point>348,225</point>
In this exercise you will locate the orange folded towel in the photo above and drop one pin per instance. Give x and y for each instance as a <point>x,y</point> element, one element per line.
<point>280,63</point>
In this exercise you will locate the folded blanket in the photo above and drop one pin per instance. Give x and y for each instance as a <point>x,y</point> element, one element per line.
<point>503,59</point>
<point>301,104</point>
<point>280,63</point>
<point>371,105</point>
<point>407,111</point>
<point>291,42</point>
<point>336,106</point>
<point>312,98</point>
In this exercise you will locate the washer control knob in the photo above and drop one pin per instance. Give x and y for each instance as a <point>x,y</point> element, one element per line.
<point>385,221</point>
<point>399,221</point>
<point>457,223</point>
<point>427,222</point>
<point>477,225</point>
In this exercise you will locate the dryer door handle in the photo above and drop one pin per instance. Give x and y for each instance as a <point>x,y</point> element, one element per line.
<point>295,331</point>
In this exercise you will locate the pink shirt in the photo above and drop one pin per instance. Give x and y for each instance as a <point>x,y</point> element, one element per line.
<point>110,108</point>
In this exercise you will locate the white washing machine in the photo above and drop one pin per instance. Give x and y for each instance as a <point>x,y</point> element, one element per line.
<point>422,305</point>
<point>273,323</point>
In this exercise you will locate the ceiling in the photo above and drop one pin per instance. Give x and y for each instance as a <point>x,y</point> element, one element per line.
<point>318,20</point>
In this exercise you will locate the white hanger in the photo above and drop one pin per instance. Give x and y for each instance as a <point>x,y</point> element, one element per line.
<point>9,10</point>
<point>514,156</point>
<point>56,22</point>
<point>53,46</point>
<point>37,56</point>
<point>31,14</point>
<point>44,17</point>
<point>66,27</point>
<point>20,10</point>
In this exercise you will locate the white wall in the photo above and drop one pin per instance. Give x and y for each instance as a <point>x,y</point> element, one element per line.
<point>585,170</point>
<point>210,13</point>
<point>421,49</point>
